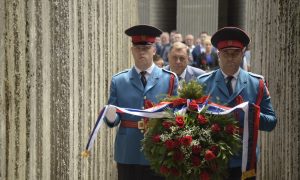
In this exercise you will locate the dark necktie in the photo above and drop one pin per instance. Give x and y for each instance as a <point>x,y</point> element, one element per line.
<point>143,78</point>
<point>228,84</point>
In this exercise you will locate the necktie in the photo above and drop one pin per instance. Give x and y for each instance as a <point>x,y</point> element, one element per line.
<point>143,78</point>
<point>228,84</point>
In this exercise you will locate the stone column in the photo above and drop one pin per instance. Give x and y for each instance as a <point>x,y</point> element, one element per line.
<point>56,61</point>
<point>274,26</point>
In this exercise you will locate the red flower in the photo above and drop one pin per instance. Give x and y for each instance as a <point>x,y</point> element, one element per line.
<point>196,149</point>
<point>164,170</point>
<point>203,61</point>
<point>178,102</point>
<point>166,124</point>
<point>230,129</point>
<point>180,121</point>
<point>196,161</point>
<point>148,104</point>
<point>170,144</point>
<point>193,105</point>
<point>186,140</point>
<point>178,156</point>
<point>215,128</point>
<point>209,155</point>
<point>156,138</point>
<point>204,175</point>
<point>201,119</point>
<point>175,172</point>
<point>215,149</point>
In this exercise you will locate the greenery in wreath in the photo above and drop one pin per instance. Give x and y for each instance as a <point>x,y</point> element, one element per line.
<point>191,144</point>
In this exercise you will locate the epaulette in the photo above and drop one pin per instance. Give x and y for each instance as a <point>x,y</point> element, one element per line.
<point>126,70</point>
<point>169,71</point>
<point>206,74</point>
<point>257,76</point>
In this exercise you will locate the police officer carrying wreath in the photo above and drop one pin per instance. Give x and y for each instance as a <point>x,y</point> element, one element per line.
<point>230,85</point>
<point>133,88</point>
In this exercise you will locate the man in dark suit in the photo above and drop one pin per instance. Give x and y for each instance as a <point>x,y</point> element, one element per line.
<point>178,63</point>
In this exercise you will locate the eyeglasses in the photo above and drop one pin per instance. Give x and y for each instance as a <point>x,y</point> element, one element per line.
<point>142,47</point>
<point>231,52</point>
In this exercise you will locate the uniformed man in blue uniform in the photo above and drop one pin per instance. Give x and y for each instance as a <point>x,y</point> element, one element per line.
<point>231,85</point>
<point>131,89</point>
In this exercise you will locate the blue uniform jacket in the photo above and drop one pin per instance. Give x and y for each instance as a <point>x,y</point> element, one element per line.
<point>246,86</point>
<point>126,90</point>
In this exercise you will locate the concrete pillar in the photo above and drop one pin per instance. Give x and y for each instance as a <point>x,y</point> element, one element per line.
<point>274,26</point>
<point>56,62</point>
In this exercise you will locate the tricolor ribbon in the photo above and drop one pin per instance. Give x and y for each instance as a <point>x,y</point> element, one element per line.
<point>158,111</point>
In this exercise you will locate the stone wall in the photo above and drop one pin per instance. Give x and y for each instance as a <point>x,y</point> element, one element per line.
<point>56,62</point>
<point>274,26</point>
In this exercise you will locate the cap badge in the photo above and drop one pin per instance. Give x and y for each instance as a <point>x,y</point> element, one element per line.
<point>229,43</point>
<point>143,38</point>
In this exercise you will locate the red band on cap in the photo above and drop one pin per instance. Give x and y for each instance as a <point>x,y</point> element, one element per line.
<point>230,43</point>
<point>137,39</point>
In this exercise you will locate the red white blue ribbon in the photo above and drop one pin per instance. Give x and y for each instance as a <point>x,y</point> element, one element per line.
<point>158,111</point>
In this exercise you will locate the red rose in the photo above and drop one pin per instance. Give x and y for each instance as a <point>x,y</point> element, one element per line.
<point>209,155</point>
<point>170,144</point>
<point>215,128</point>
<point>156,138</point>
<point>178,102</point>
<point>230,129</point>
<point>204,175</point>
<point>196,149</point>
<point>178,156</point>
<point>201,119</point>
<point>186,140</point>
<point>193,105</point>
<point>215,150</point>
<point>175,172</point>
<point>148,104</point>
<point>196,161</point>
<point>164,170</point>
<point>166,124</point>
<point>203,61</point>
<point>180,121</point>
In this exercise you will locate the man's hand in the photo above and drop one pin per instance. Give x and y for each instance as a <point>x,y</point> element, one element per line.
<point>111,114</point>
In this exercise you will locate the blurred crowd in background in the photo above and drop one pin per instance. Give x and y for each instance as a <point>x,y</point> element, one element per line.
<point>202,54</point>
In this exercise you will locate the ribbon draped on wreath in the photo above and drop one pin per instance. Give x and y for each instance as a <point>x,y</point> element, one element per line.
<point>158,111</point>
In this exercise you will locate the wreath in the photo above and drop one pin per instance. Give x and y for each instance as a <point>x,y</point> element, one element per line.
<point>191,143</point>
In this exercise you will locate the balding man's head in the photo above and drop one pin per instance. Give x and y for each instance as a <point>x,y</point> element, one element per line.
<point>178,57</point>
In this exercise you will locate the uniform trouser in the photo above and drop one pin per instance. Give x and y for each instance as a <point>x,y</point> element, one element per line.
<point>136,172</point>
<point>236,174</point>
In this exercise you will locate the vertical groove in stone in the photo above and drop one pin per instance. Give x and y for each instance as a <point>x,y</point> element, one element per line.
<point>275,54</point>
<point>3,96</point>
<point>56,61</point>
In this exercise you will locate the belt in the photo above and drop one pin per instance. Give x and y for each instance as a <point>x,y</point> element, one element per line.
<point>142,124</point>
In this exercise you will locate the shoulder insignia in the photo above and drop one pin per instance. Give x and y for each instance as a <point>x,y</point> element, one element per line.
<point>256,75</point>
<point>125,71</point>
<point>168,71</point>
<point>206,74</point>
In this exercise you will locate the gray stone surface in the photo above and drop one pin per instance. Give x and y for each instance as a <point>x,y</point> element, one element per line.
<point>56,62</point>
<point>275,31</point>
